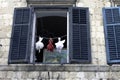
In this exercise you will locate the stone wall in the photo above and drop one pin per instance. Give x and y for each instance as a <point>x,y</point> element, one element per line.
<point>6,18</point>
<point>36,75</point>
<point>96,27</point>
<point>59,72</point>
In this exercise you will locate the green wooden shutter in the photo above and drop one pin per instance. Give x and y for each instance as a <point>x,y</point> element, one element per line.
<point>21,36</point>
<point>112,34</point>
<point>80,50</point>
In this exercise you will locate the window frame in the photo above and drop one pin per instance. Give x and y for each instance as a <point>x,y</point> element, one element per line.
<point>69,26</point>
<point>34,25</point>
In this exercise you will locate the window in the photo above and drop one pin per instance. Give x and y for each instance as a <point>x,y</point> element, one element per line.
<point>112,34</point>
<point>52,24</point>
<point>72,24</point>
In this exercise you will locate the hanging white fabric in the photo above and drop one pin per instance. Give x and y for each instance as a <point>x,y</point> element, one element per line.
<point>59,45</point>
<point>39,44</point>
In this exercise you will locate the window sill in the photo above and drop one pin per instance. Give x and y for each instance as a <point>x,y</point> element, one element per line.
<point>60,67</point>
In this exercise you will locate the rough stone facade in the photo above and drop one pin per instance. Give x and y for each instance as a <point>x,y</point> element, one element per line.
<point>6,17</point>
<point>9,72</point>
<point>36,75</point>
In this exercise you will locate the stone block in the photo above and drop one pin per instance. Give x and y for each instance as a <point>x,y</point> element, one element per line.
<point>23,1</point>
<point>4,54</point>
<point>99,35</point>
<point>102,58</point>
<point>107,4</point>
<point>29,79</point>
<point>14,79</point>
<point>91,11</point>
<point>80,4</point>
<point>102,75</point>
<point>3,74</point>
<point>70,75</point>
<point>7,16</point>
<point>70,79</point>
<point>93,22</point>
<point>5,78</point>
<point>80,75</point>
<point>1,24</point>
<point>100,29</point>
<point>93,49</point>
<point>95,79</point>
<point>11,74</point>
<point>93,4</point>
<point>2,34</point>
<point>89,75</point>
<point>1,16</point>
<point>44,75</point>
<point>4,4</point>
<point>18,75</point>
<point>101,41</point>
<point>4,49</point>
<point>93,34</point>
<point>93,40</point>
<point>20,4</point>
<point>5,41</point>
<point>37,79</point>
<point>58,75</point>
<point>7,22</point>
<point>33,74</point>
<point>3,61</point>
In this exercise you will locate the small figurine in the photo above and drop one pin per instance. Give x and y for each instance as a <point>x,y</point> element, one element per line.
<point>50,46</point>
<point>59,44</point>
<point>39,44</point>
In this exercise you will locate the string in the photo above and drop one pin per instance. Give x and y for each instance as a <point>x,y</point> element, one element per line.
<point>53,37</point>
<point>36,36</point>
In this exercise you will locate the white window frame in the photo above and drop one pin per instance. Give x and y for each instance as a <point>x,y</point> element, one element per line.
<point>32,57</point>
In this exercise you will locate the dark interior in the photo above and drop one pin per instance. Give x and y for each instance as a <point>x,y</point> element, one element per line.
<point>50,27</point>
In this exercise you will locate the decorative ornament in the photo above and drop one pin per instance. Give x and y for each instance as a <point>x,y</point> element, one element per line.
<point>59,45</point>
<point>39,44</point>
<point>50,46</point>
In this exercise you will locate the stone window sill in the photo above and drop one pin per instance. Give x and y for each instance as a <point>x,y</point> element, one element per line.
<point>60,67</point>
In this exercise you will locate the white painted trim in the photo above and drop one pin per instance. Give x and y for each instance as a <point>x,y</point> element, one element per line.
<point>32,58</point>
<point>68,37</point>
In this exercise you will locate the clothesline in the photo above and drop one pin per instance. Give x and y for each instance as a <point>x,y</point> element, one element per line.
<point>37,36</point>
<point>53,37</point>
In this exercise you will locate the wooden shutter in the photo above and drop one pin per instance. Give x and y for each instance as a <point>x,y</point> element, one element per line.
<point>21,36</point>
<point>112,34</point>
<point>79,35</point>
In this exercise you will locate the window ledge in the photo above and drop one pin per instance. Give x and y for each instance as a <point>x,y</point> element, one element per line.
<point>51,1</point>
<point>60,67</point>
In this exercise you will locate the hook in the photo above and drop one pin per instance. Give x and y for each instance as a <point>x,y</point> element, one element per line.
<point>0,45</point>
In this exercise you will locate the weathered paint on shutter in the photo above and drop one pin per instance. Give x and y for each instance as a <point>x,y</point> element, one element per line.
<point>112,34</point>
<point>21,34</point>
<point>80,50</point>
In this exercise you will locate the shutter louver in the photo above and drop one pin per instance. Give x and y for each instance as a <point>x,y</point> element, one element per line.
<point>112,34</point>
<point>20,38</point>
<point>81,52</point>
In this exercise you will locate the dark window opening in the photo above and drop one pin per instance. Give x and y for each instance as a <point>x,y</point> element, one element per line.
<point>50,27</point>
<point>49,22</point>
